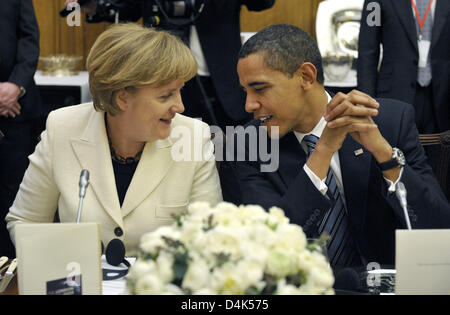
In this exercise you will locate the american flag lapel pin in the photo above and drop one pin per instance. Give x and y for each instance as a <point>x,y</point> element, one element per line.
<point>358,152</point>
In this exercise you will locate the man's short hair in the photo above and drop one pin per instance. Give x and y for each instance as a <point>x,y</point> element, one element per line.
<point>286,48</point>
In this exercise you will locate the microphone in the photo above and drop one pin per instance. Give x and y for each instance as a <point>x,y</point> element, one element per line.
<point>83,184</point>
<point>115,253</point>
<point>65,12</point>
<point>400,192</point>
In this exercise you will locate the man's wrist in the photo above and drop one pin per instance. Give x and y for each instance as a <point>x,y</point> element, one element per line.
<point>383,154</point>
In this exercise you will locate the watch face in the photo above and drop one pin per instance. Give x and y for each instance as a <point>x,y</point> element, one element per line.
<point>399,156</point>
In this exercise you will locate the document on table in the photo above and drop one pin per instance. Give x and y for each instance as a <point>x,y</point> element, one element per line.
<point>118,286</point>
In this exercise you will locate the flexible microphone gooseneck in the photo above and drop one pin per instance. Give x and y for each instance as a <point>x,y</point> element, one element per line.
<point>400,191</point>
<point>83,184</point>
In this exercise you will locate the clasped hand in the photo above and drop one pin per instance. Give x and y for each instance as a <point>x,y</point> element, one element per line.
<point>352,113</point>
<point>9,93</point>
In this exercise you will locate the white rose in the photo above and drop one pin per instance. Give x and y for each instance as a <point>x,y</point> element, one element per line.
<point>290,236</point>
<point>320,260</point>
<point>250,272</point>
<point>252,214</point>
<point>281,263</point>
<point>198,206</point>
<point>149,284</point>
<point>262,234</point>
<point>151,241</point>
<point>226,280</point>
<point>305,261</point>
<point>164,263</point>
<point>141,268</point>
<point>197,276</point>
<point>320,278</point>
<point>222,240</point>
<point>277,217</point>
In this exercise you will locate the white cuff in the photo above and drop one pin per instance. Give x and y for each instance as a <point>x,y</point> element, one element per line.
<point>391,184</point>
<point>317,182</point>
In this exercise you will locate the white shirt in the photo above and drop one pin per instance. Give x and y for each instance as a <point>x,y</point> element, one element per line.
<point>334,164</point>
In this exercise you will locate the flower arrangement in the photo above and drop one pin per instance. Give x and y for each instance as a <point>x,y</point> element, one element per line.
<point>229,250</point>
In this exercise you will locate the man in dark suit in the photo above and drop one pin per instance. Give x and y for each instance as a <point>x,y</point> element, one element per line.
<point>401,75</point>
<point>340,158</point>
<point>215,41</point>
<point>20,105</point>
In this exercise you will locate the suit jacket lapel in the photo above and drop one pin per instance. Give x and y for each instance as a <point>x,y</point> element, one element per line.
<point>92,151</point>
<point>156,161</point>
<point>405,14</point>
<point>440,18</point>
<point>355,177</point>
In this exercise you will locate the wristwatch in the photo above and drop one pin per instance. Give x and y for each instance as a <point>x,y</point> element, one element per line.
<point>22,92</point>
<point>398,160</point>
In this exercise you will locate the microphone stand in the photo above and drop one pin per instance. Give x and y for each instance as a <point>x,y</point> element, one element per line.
<point>400,191</point>
<point>84,183</point>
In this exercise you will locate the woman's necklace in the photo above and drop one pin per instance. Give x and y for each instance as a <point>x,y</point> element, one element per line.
<point>117,157</point>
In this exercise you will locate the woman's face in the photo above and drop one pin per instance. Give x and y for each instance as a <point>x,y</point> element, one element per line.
<point>150,109</point>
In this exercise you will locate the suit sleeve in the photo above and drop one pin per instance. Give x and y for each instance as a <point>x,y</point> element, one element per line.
<point>369,50</point>
<point>37,198</point>
<point>427,204</point>
<point>258,5</point>
<point>27,46</point>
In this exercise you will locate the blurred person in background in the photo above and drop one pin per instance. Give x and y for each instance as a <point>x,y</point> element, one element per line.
<point>20,104</point>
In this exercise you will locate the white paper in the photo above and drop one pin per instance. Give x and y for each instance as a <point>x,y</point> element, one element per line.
<point>422,262</point>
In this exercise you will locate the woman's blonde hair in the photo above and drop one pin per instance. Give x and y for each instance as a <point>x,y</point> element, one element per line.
<point>127,56</point>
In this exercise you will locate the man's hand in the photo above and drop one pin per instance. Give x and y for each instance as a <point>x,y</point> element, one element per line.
<point>342,110</point>
<point>359,108</point>
<point>12,112</point>
<point>9,94</point>
<point>343,117</point>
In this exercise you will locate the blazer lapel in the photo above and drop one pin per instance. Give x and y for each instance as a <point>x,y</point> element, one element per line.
<point>405,14</point>
<point>440,18</point>
<point>355,168</point>
<point>92,151</point>
<point>156,161</point>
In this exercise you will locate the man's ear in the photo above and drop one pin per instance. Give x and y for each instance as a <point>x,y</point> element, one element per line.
<point>307,74</point>
<point>122,99</point>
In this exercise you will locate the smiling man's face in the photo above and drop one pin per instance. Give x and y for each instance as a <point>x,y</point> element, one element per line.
<point>272,96</point>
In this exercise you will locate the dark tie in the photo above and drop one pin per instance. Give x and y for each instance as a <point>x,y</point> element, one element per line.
<point>341,247</point>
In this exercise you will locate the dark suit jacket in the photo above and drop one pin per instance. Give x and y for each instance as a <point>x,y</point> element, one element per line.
<point>374,214</point>
<point>19,54</point>
<point>218,30</point>
<point>398,73</point>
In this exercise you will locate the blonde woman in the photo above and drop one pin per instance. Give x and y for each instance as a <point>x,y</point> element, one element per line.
<point>124,138</point>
